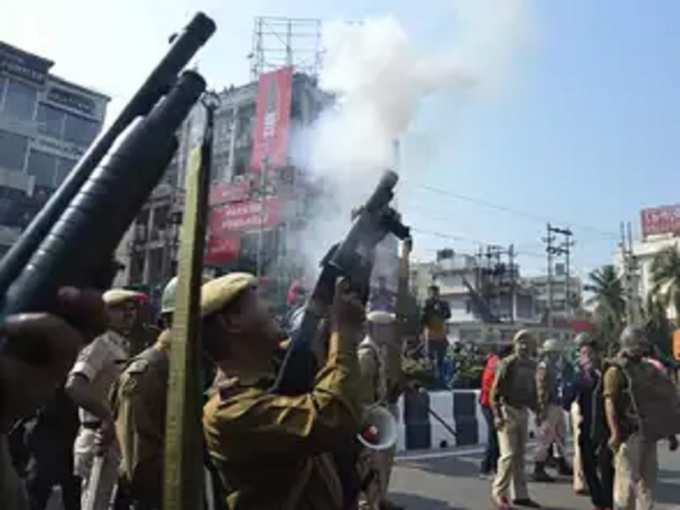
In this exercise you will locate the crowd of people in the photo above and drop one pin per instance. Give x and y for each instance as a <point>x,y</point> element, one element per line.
<point>90,416</point>
<point>101,438</point>
<point>619,409</point>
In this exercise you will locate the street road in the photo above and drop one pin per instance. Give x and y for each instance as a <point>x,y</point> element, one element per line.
<point>448,480</point>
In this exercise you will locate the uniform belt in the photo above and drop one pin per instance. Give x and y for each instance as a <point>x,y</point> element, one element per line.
<point>92,425</point>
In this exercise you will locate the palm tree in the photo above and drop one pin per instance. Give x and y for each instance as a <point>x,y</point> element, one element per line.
<point>665,271</point>
<point>610,305</point>
<point>657,326</point>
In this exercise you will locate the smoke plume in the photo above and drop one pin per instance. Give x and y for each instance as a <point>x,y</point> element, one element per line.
<point>380,78</point>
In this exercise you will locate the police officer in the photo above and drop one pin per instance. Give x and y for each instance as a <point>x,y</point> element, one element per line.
<point>375,466</point>
<point>96,369</point>
<point>139,410</point>
<point>268,447</point>
<point>635,455</point>
<point>25,384</point>
<point>550,419</point>
<point>512,395</point>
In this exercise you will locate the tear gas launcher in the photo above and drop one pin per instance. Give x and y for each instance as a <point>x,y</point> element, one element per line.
<point>72,239</point>
<point>352,258</point>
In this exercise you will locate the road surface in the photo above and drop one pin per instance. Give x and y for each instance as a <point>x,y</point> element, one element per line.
<point>448,480</point>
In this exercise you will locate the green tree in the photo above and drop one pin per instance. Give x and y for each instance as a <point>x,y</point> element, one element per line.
<point>665,271</point>
<point>658,327</point>
<point>610,305</point>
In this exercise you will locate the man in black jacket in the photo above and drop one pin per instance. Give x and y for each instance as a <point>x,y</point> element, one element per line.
<point>596,456</point>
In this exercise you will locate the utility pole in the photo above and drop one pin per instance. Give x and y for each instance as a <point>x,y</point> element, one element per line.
<point>260,233</point>
<point>551,250</point>
<point>630,271</point>
<point>513,288</point>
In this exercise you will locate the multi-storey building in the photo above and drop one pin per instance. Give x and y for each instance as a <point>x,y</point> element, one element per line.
<point>46,124</point>
<point>490,301</point>
<point>566,293</point>
<point>257,204</point>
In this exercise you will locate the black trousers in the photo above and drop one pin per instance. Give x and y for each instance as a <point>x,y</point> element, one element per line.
<point>47,468</point>
<point>598,469</point>
<point>491,454</point>
<point>438,355</point>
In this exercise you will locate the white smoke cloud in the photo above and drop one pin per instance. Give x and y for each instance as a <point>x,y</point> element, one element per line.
<point>380,79</point>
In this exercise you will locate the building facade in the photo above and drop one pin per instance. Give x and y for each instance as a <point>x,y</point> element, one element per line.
<point>476,290</point>
<point>490,300</point>
<point>644,253</point>
<point>46,124</point>
<point>566,292</point>
<point>257,205</point>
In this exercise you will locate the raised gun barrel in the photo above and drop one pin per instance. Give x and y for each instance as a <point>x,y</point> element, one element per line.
<point>92,225</point>
<point>161,79</point>
<point>352,258</point>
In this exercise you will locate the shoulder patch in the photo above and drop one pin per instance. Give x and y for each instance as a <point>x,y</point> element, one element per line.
<point>228,388</point>
<point>138,366</point>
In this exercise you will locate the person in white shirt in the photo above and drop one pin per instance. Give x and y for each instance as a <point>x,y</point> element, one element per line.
<point>96,369</point>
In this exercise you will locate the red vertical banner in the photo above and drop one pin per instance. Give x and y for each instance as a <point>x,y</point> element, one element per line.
<point>272,122</point>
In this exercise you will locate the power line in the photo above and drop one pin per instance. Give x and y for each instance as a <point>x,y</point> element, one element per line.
<point>456,237</point>
<point>509,210</point>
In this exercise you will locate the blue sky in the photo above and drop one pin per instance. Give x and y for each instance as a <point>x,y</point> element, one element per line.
<point>583,131</point>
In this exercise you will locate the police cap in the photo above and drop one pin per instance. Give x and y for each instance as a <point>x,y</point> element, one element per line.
<point>115,297</point>
<point>218,293</point>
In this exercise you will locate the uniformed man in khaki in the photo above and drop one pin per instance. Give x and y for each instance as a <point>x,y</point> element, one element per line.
<point>375,466</point>
<point>139,410</point>
<point>269,448</point>
<point>550,419</point>
<point>96,369</point>
<point>635,456</point>
<point>512,396</point>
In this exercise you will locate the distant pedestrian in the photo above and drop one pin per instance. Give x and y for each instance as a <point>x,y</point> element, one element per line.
<point>435,315</point>
<point>595,455</point>
<point>512,396</point>
<point>642,407</point>
<point>550,419</point>
<point>491,454</point>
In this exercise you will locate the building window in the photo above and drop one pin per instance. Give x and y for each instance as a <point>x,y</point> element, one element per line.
<point>137,268</point>
<point>20,100</point>
<point>79,130</point>
<point>64,167</point>
<point>43,166</point>
<point>3,81</point>
<point>50,120</point>
<point>13,149</point>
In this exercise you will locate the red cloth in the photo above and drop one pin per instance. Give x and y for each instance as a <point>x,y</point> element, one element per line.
<point>294,292</point>
<point>488,377</point>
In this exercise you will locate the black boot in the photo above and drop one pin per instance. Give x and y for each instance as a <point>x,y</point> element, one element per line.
<point>563,467</point>
<point>540,475</point>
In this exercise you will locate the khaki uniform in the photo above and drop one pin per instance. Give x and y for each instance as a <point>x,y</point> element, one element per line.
<point>635,461</point>
<point>270,450</point>
<point>101,362</point>
<point>553,426</point>
<point>512,395</point>
<point>140,407</point>
<point>579,475</point>
<point>373,465</point>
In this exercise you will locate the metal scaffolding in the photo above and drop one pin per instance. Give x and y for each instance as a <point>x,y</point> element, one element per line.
<point>280,42</point>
